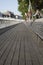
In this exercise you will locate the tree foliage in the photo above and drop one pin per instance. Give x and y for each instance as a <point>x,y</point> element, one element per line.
<point>37,4</point>
<point>23,5</point>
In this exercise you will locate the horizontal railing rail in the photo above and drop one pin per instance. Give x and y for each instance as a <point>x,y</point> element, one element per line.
<point>5,22</point>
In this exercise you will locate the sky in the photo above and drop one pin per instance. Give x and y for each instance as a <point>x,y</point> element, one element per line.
<point>9,5</point>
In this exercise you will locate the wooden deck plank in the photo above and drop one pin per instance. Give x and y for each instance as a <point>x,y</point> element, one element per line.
<point>6,44</point>
<point>5,54</point>
<point>21,55</point>
<point>16,55</point>
<point>12,51</point>
<point>17,47</point>
<point>27,52</point>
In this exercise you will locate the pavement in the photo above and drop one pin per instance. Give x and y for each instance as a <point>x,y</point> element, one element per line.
<point>36,26</point>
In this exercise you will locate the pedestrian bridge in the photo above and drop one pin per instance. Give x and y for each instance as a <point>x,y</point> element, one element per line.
<point>19,46</point>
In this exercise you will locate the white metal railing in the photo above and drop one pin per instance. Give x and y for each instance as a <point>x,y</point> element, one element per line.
<point>4,22</point>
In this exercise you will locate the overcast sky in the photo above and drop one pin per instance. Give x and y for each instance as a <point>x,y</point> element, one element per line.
<point>10,5</point>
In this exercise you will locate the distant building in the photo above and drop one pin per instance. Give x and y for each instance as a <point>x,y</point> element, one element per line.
<point>9,14</point>
<point>1,14</point>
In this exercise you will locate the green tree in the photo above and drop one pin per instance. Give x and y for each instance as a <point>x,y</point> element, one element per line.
<point>23,5</point>
<point>37,4</point>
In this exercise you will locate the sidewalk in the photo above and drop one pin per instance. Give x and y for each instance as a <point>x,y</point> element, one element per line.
<point>37,27</point>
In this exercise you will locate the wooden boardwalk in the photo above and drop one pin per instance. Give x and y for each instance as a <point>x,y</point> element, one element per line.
<point>19,47</point>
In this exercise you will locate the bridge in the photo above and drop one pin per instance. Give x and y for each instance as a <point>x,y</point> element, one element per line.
<point>19,45</point>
